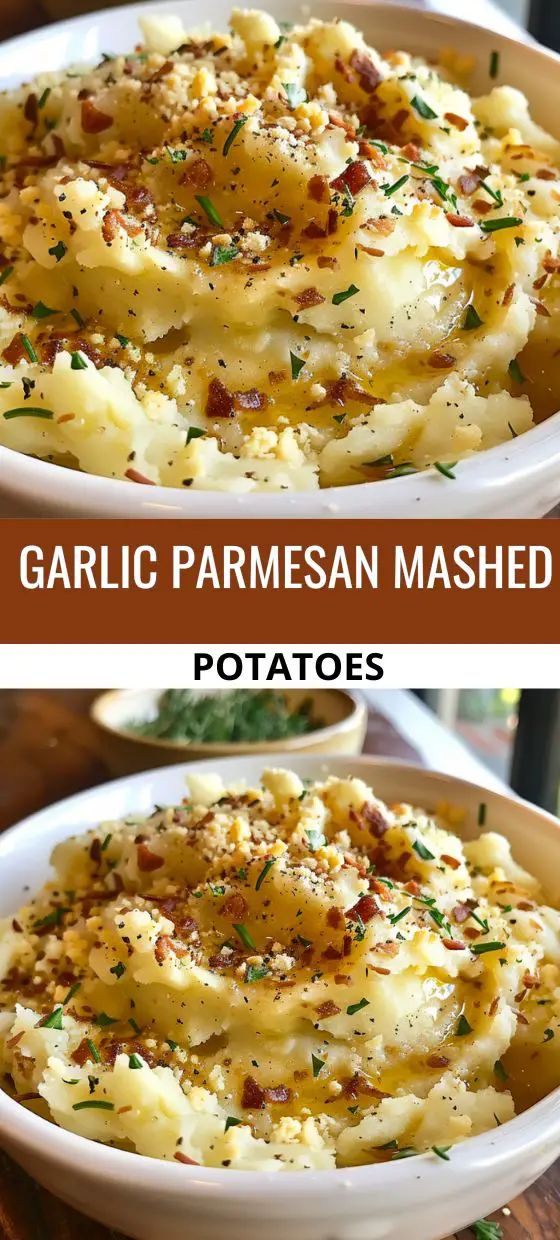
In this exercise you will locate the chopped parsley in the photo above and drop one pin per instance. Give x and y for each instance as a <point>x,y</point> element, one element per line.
<point>41,311</point>
<point>494,194</point>
<point>297,364</point>
<point>118,969</point>
<point>58,251</point>
<point>255,973</point>
<point>442,1151</point>
<point>472,319</point>
<point>401,471</point>
<point>515,372</point>
<point>231,1122</point>
<point>104,1021</point>
<point>483,1229</point>
<point>493,69</point>
<point>317,1064</point>
<point>43,98</point>
<point>338,298</point>
<point>463,1028</point>
<point>134,1061</point>
<point>73,990</point>
<point>207,136</point>
<point>395,917</point>
<point>5,275</point>
<point>194,432</point>
<point>123,340</point>
<point>481,814</point>
<point>548,1035</point>
<point>500,1071</point>
<point>315,839</point>
<point>78,362</point>
<point>223,254</point>
<point>357,1007</point>
<point>240,122</point>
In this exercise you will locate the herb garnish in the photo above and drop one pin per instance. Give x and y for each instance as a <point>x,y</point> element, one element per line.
<point>294,94</point>
<point>5,275</point>
<point>41,311</point>
<point>255,973</point>
<point>515,372</point>
<point>500,1071</point>
<point>389,190</point>
<point>338,298</point>
<point>446,470</point>
<point>104,1021</point>
<point>28,411</point>
<point>209,209</point>
<point>53,1020</point>
<point>93,1104</point>
<point>472,319</point>
<point>481,813</point>
<point>357,1007</point>
<point>118,969</point>
<point>265,870</point>
<point>494,66</point>
<point>244,935</point>
<point>231,1122</point>
<point>297,364</point>
<point>58,251</point>
<point>485,1230</point>
<point>505,221</point>
<point>28,349</point>
<point>442,1151</point>
<point>317,1065</point>
<point>77,362</point>
<point>395,917</point>
<point>463,1027</point>
<point>423,109</point>
<point>223,254</point>
<point>73,990</point>
<point>423,852</point>
<point>233,134</point>
<point>93,1051</point>
<point>134,1061</point>
<point>194,432</point>
<point>480,949</point>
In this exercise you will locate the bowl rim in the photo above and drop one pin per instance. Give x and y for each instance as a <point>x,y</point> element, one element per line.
<point>531,1128</point>
<point>530,454</point>
<point>356,709</point>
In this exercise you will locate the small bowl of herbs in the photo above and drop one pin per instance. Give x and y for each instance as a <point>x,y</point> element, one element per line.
<point>142,728</point>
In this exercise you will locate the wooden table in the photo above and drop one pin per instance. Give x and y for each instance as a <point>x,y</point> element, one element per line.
<point>49,749</point>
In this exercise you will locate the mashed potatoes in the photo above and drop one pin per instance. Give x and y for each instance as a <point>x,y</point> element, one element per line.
<point>288,976</point>
<point>273,259</point>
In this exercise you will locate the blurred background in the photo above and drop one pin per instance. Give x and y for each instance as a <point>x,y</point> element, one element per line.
<point>540,17</point>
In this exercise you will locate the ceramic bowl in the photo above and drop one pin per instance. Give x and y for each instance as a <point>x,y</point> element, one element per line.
<point>420,1198</point>
<point>520,478</point>
<point>343,717</point>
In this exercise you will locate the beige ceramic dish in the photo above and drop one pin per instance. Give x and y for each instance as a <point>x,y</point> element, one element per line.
<point>343,715</point>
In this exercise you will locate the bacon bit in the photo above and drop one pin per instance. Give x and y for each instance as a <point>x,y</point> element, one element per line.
<point>400,118</point>
<point>184,241</point>
<point>332,953</point>
<point>365,908</point>
<point>452,862</point>
<point>112,221</point>
<point>482,207</point>
<point>82,1053</point>
<point>219,402</point>
<point>163,948</point>
<point>340,123</point>
<point>461,913</point>
<point>65,417</point>
<point>458,122</point>
<point>437,1061</point>
<point>551,265</point>
<point>275,377</point>
<point>326,1009</point>
<point>199,174</point>
<point>14,352</point>
<point>184,1158</point>
<point>471,933</point>
<point>324,260</point>
<point>31,109</point>
<point>458,221</point>
<point>388,949</point>
<point>318,189</point>
<point>412,151</point>
<point>253,1097</point>
<point>540,308</point>
<point>134,475</point>
<point>251,399</point>
<point>413,888</point>
<point>95,851</point>
<point>138,197</point>
<point>314,230</point>
<point>16,926</point>
<point>162,71</point>
<point>494,1006</point>
<point>342,979</point>
<point>468,182</point>
<point>378,969</point>
<point>369,76</point>
<point>359,1084</point>
<point>123,1110</point>
<point>308,298</point>
<point>368,249</point>
<point>335,918</point>
<point>354,178</point>
<point>367,151</point>
<point>94,121</point>
<point>339,393</point>
<point>235,907</point>
<point>27,1097</point>
<point>521,1019</point>
<point>343,69</point>
<point>453,945</point>
<point>530,981</point>
<point>508,295</point>
<point>526,906</point>
<point>230,961</point>
<point>377,824</point>
<point>547,174</point>
<point>540,283</point>
<point>148,860</point>
<point>18,1036</point>
<point>441,361</point>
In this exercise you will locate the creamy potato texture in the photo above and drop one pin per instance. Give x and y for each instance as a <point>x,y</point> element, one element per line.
<point>282,977</point>
<point>273,259</point>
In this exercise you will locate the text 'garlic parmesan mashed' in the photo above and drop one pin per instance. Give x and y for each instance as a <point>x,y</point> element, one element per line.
<point>290,976</point>
<point>273,259</point>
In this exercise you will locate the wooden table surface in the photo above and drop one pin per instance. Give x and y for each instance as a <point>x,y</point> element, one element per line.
<point>49,749</point>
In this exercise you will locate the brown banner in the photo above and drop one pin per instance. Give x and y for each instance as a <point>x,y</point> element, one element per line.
<point>434,567</point>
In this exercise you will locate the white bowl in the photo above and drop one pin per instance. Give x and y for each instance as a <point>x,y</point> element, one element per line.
<point>518,479</point>
<point>420,1198</point>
